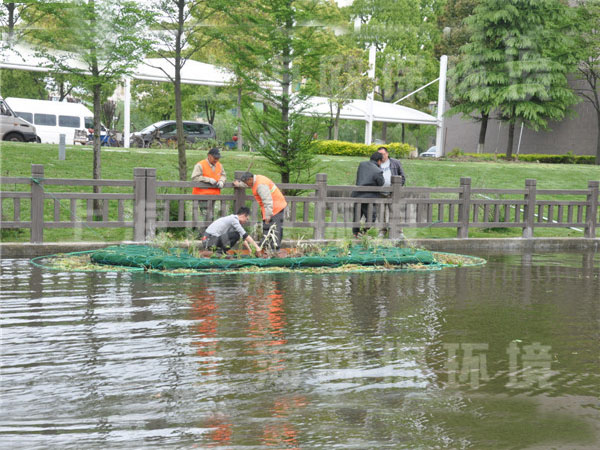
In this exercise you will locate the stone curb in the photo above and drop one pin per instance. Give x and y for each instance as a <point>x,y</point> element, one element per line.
<point>27,250</point>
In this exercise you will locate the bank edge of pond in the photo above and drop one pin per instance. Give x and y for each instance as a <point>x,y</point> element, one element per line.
<point>464,246</point>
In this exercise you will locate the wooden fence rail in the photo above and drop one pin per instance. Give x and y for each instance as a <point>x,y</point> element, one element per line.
<point>145,204</point>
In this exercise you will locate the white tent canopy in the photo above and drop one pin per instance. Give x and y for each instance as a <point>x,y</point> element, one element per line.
<point>193,72</point>
<point>23,57</point>
<point>358,110</point>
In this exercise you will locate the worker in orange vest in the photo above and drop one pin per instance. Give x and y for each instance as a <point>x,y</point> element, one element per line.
<point>209,171</point>
<point>271,200</point>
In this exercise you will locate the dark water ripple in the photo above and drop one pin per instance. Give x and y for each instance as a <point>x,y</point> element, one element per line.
<point>124,360</point>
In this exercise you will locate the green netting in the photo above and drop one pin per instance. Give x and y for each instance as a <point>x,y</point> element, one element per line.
<point>155,258</point>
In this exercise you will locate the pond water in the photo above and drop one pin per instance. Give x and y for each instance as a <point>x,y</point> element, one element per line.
<point>500,356</point>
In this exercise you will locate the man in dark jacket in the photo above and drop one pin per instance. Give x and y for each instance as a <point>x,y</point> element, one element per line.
<point>369,173</point>
<point>391,167</point>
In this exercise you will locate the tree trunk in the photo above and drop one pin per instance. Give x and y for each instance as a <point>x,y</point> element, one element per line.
<point>384,132</point>
<point>286,81</point>
<point>210,112</point>
<point>11,20</point>
<point>598,139</point>
<point>336,125</point>
<point>482,132</point>
<point>511,137</point>
<point>97,165</point>
<point>178,110</point>
<point>238,113</point>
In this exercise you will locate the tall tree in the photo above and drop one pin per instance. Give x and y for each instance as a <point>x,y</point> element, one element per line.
<point>107,39</point>
<point>455,32</point>
<point>275,45</point>
<point>343,78</point>
<point>179,25</point>
<point>18,19</point>
<point>404,33</point>
<point>588,45</point>
<point>24,84</point>
<point>517,61</point>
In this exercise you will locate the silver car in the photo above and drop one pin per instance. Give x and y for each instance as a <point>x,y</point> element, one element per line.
<point>13,128</point>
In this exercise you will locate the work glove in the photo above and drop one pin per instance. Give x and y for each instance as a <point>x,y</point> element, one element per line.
<point>220,184</point>
<point>212,181</point>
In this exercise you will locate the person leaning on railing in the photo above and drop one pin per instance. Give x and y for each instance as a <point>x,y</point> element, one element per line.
<point>391,167</point>
<point>209,171</point>
<point>369,173</point>
<point>271,200</point>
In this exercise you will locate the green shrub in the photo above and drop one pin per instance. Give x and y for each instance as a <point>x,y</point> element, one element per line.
<point>568,158</point>
<point>456,152</point>
<point>341,148</point>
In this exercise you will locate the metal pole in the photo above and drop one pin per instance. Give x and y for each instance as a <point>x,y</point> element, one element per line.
<point>127,115</point>
<point>520,136</point>
<point>439,136</point>
<point>370,96</point>
<point>61,147</point>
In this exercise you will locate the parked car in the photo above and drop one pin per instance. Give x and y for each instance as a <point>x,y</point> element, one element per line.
<point>430,153</point>
<point>14,128</point>
<point>166,130</point>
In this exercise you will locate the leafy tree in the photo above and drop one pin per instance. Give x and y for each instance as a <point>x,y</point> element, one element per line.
<point>455,32</point>
<point>274,46</point>
<point>343,78</point>
<point>23,83</point>
<point>517,60</point>
<point>404,33</point>
<point>107,36</point>
<point>179,29</point>
<point>18,19</point>
<point>587,21</point>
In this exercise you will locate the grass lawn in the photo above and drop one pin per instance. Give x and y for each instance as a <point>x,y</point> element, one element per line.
<point>117,163</point>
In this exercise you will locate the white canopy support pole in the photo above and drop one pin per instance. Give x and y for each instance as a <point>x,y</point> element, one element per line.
<point>520,136</point>
<point>441,106</point>
<point>414,92</point>
<point>370,96</point>
<point>127,115</point>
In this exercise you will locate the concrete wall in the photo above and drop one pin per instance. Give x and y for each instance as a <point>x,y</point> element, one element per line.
<point>577,134</point>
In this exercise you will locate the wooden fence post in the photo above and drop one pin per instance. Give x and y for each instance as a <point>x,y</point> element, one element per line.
<point>239,194</point>
<point>591,210</point>
<point>150,227</point>
<point>529,216</point>
<point>464,207</point>
<point>37,204</point>
<point>320,206</point>
<point>139,204</point>
<point>395,216</point>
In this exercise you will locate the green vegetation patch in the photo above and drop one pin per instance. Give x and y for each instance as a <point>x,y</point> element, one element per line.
<point>331,259</point>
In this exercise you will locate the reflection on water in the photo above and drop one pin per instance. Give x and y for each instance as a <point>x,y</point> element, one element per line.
<point>501,356</point>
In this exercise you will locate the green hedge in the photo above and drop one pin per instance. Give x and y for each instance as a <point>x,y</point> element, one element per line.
<point>341,148</point>
<point>568,158</point>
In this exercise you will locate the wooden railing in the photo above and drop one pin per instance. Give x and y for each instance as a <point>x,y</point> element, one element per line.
<point>146,204</point>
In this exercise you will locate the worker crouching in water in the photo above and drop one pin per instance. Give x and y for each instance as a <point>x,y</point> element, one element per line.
<point>272,204</point>
<point>224,233</point>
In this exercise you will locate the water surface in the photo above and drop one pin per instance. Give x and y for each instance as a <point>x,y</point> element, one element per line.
<point>500,356</point>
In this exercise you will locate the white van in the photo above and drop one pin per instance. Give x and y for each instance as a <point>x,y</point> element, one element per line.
<point>13,128</point>
<point>51,119</point>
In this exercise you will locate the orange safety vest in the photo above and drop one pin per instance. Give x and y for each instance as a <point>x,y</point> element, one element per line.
<point>278,199</point>
<point>208,171</point>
